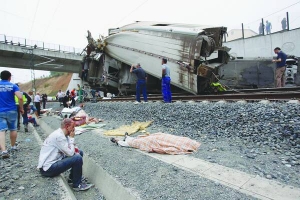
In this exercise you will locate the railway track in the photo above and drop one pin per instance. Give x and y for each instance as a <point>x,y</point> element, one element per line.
<point>273,94</point>
<point>231,97</point>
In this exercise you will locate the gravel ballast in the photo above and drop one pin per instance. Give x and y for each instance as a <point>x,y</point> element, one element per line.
<point>20,178</point>
<point>147,177</point>
<point>259,139</point>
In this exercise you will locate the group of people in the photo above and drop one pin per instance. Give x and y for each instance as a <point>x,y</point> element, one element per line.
<point>142,82</point>
<point>64,98</point>
<point>268,26</point>
<point>13,104</point>
<point>58,153</point>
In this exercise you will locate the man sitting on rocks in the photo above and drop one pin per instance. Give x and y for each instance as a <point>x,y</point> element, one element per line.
<point>161,143</point>
<point>58,155</point>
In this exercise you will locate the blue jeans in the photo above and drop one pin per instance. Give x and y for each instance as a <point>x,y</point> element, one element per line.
<point>141,84</point>
<point>8,120</point>
<point>33,108</point>
<point>166,89</point>
<point>73,162</point>
<point>25,115</point>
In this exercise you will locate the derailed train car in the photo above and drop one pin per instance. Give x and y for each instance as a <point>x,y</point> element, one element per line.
<point>194,54</point>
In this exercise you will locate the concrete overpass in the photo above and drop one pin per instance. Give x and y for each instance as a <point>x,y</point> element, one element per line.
<point>263,45</point>
<point>16,55</point>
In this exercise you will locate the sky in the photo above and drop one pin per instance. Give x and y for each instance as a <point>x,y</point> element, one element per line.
<point>66,22</point>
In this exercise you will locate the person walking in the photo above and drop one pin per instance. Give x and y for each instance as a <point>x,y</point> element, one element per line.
<point>58,154</point>
<point>8,111</point>
<point>166,82</point>
<point>37,103</point>
<point>26,101</point>
<point>44,100</point>
<point>18,111</point>
<point>280,67</point>
<point>141,82</point>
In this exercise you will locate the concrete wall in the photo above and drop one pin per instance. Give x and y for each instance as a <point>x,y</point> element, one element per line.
<point>263,46</point>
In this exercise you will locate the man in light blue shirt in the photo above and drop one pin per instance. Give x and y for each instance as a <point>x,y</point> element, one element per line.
<point>8,111</point>
<point>166,82</point>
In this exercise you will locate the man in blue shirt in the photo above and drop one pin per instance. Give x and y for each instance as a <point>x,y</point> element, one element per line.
<point>141,82</point>
<point>166,82</point>
<point>8,111</point>
<point>280,67</point>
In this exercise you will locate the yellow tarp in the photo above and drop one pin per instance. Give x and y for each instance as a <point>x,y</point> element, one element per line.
<point>130,129</point>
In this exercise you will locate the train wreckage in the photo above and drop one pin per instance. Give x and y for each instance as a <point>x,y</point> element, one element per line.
<point>195,54</point>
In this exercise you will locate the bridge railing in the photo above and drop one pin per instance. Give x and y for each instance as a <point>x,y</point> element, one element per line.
<point>283,20</point>
<point>38,45</point>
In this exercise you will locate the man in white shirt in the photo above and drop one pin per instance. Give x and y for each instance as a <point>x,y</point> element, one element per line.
<point>58,154</point>
<point>37,103</point>
<point>32,107</point>
<point>166,82</point>
<point>60,95</point>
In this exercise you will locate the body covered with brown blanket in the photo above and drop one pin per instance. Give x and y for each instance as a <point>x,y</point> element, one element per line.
<point>164,143</point>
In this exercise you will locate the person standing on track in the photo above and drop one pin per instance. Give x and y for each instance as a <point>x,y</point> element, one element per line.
<point>280,67</point>
<point>166,82</point>
<point>141,82</point>
<point>8,111</point>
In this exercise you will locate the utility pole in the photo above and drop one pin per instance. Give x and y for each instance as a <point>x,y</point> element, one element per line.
<point>31,64</point>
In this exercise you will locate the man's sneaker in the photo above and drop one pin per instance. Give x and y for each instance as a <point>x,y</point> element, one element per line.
<point>145,101</point>
<point>36,125</point>
<point>83,187</point>
<point>83,180</point>
<point>26,128</point>
<point>14,148</point>
<point>136,102</point>
<point>4,154</point>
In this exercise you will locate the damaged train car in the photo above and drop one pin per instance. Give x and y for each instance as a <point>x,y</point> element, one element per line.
<point>194,54</point>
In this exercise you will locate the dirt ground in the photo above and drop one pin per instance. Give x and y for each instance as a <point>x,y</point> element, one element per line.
<point>50,86</point>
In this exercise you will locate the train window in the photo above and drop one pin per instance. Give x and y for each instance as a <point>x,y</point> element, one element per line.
<point>161,25</point>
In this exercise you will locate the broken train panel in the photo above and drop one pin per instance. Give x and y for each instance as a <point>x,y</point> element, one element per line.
<point>194,54</point>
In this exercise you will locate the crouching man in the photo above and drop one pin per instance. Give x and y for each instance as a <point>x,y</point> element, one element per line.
<point>58,154</point>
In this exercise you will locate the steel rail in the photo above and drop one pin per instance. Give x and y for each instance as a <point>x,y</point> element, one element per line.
<point>284,89</point>
<point>236,97</point>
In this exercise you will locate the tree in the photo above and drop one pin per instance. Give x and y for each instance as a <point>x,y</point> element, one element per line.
<point>55,74</point>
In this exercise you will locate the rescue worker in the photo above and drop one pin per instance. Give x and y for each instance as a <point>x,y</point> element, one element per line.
<point>26,101</point>
<point>280,67</point>
<point>141,82</point>
<point>166,82</point>
<point>73,95</point>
